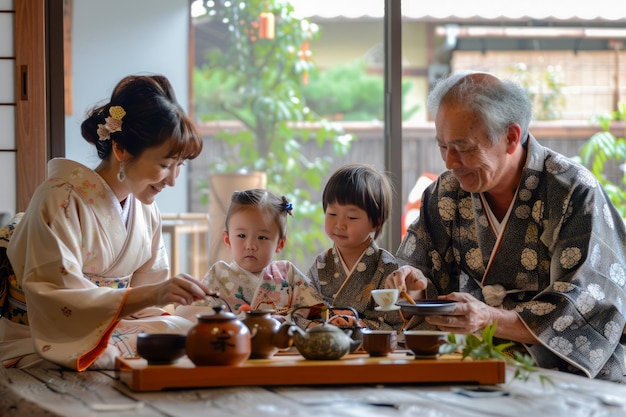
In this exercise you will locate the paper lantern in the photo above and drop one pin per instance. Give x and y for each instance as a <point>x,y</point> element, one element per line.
<point>266,25</point>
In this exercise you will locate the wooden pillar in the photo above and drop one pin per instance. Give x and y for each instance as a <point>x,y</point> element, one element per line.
<point>30,86</point>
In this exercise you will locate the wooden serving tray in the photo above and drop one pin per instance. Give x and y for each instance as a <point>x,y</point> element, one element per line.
<point>397,368</point>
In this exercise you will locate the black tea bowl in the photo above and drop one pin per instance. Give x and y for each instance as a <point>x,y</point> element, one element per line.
<point>161,348</point>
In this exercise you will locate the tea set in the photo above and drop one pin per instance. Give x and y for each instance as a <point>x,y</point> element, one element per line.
<point>221,338</point>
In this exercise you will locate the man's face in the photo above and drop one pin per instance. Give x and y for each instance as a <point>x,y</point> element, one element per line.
<point>467,150</point>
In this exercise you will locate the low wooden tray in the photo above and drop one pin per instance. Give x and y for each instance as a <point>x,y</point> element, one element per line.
<point>397,368</point>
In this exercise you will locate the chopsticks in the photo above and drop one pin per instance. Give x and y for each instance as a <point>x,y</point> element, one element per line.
<point>407,297</point>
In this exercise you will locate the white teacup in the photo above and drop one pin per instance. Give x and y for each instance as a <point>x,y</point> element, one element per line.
<point>386,299</point>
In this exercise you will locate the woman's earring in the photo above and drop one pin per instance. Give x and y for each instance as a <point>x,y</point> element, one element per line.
<point>121,174</point>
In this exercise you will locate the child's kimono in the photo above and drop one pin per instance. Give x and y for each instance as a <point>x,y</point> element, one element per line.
<point>280,287</point>
<point>75,259</point>
<point>353,289</point>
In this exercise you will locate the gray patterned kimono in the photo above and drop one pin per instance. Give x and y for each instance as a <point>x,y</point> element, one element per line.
<point>559,261</point>
<point>328,277</point>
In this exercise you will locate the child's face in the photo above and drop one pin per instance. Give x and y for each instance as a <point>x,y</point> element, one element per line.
<point>348,226</point>
<point>253,239</point>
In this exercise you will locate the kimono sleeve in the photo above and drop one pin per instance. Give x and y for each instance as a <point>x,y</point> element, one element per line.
<point>70,317</point>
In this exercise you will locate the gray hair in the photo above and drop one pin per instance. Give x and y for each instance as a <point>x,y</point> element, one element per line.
<point>498,104</point>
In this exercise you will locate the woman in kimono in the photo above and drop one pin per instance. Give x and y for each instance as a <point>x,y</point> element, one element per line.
<point>90,267</point>
<point>518,235</point>
<point>356,202</point>
<point>256,230</point>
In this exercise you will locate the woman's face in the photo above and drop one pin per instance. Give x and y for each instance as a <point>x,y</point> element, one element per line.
<point>151,172</point>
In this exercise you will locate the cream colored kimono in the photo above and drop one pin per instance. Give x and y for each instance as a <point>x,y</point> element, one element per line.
<point>75,259</point>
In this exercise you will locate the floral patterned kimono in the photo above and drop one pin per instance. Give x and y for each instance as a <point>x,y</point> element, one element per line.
<point>280,287</point>
<point>341,288</point>
<point>558,260</point>
<point>75,259</point>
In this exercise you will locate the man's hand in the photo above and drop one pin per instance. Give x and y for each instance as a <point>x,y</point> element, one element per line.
<point>469,315</point>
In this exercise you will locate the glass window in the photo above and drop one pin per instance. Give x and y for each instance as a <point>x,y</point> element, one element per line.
<point>294,89</point>
<point>284,91</point>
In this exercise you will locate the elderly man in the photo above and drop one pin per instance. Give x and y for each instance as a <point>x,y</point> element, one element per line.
<point>518,235</point>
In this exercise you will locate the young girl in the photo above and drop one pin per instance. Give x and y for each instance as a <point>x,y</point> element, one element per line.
<point>357,202</point>
<point>256,229</point>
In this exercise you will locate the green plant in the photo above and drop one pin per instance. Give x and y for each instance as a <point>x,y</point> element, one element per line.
<point>347,92</point>
<point>604,149</point>
<point>481,348</point>
<point>259,83</point>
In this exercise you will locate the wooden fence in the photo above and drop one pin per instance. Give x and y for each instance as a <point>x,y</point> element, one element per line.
<point>419,153</point>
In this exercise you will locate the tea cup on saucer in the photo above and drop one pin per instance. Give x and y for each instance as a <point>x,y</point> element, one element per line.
<point>386,299</point>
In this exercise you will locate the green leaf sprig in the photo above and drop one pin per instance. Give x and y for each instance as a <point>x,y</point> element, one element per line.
<point>482,348</point>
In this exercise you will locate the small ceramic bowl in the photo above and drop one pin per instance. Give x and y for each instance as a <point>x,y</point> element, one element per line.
<point>424,343</point>
<point>379,343</point>
<point>161,348</point>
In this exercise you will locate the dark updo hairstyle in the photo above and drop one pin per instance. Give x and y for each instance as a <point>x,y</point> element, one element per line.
<point>153,116</point>
<point>363,186</point>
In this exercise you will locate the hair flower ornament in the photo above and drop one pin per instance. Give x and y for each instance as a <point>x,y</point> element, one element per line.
<point>113,123</point>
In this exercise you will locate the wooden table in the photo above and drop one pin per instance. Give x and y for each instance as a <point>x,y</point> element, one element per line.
<point>47,390</point>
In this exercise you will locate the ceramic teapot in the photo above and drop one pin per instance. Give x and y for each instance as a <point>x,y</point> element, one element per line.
<point>218,339</point>
<point>265,333</point>
<point>322,342</point>
<point>317,312</point>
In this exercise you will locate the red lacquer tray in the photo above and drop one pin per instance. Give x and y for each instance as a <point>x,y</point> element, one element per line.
<point>397,368</point>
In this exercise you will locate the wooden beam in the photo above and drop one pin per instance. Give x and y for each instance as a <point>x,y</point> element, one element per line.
<point>31,90</point>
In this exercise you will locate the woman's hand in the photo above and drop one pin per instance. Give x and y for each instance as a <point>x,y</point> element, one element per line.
<point>408,279</point>
<point>182,289</point>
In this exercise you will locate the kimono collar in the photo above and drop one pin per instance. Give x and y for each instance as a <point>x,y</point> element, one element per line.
<point>536,154</point>
<point>89,186</point>
<point>372,245</point>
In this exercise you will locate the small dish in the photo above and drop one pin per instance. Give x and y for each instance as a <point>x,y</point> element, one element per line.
<point>392,308</point>
<point>427,307</point>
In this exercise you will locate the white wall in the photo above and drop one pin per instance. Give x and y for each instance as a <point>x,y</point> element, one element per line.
<point>115,38</point>
<point>8,196</point>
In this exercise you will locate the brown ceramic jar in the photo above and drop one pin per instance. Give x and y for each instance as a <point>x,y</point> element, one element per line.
<point>263,327</point>
<point>218,339</point>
